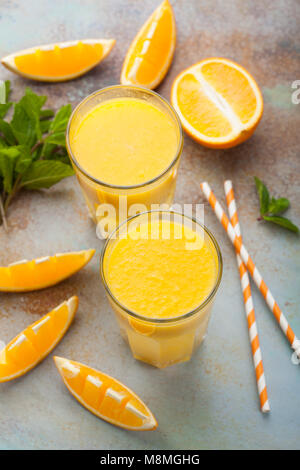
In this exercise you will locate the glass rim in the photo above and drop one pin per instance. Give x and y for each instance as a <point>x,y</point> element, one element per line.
<point>135,186</point>
<point>179,318</point>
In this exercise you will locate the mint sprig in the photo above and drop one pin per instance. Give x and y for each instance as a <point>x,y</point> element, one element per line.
<point>33,154</point>
<point>270,207</point>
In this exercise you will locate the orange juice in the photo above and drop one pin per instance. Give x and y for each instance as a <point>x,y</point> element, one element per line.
<point>125,141</point>
<point>161,279</point>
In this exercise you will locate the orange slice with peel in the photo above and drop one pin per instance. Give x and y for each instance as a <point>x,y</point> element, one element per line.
<point>105,396</point>
<point>39,273</point>
<point>151,52</point>
<point>218,102</point>
<point>31,346</point>
<point>59,62</point>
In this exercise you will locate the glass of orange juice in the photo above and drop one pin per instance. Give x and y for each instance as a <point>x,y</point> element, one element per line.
<point>125,144</point>
<point>161,271</point>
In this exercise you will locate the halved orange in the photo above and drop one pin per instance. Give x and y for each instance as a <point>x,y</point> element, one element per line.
<point>218,102</point>
<point>150,54</point>
<point>31,346</point>
<point>59,62</point>
<point>105,396</point>
<point>39,273</point>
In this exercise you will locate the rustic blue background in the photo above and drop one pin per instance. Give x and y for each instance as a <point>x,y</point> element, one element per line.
<point>210,402</point>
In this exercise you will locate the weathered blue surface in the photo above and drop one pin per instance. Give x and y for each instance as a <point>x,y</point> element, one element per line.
<point>210,402</point>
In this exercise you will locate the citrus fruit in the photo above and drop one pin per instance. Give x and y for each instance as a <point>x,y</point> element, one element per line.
<point>59,62</point>
<point>33,344</point>
<point>218,102</point>
<point>150,54</point>
<point>39,273</point>
<point>105,396</point>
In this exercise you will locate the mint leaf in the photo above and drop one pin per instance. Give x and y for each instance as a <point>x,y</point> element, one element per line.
<point>3,144</point>
<point>4,108</point>
<point>8,157</point>
<point>23,165</point>
<point>6,130</point>
<point>47,150</point>
<point>269,209</point>
<point>278,205</point>
<point>24,159</point>
<point>32,104</point>
<point>7,90</point>
<point>33,152</point>
<point>46,113</point>
<point>263,194</point>
<point>59,154</point>
<point>64,158</point>
<point>45,126</point>
<point>61,119</point>
<point>23,126</point>
<point>45,173</point>
<point>32,101</point>
<point>6,170</point>
<point>282,221</point>
<point>11,152</point>
<point>37,153</point>
<point>58,139</point>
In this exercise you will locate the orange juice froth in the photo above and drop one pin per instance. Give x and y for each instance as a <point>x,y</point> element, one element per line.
<point>125,144</point>
<point>161,278</point>
<point>124,141</point>
<point>161,288</point>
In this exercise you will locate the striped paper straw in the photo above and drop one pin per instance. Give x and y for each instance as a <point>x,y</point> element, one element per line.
<point>249,308</point>
<point>241,249</point>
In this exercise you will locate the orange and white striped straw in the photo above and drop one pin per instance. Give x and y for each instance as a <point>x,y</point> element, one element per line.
<point>242,251</point>
<point>249,308</point>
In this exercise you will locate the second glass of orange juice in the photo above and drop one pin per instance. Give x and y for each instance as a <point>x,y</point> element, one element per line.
<point>161,271</point>
<point>125,144</point>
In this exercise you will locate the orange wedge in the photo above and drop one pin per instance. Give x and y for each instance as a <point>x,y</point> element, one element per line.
<point>150,54</point>
<point>39,273</point>
<point>59,62</point>
<point>105,396</point>
<point>218,102</point>
<point>31,346</point>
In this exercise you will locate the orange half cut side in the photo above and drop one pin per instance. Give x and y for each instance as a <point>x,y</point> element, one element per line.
<point>218,102</point>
